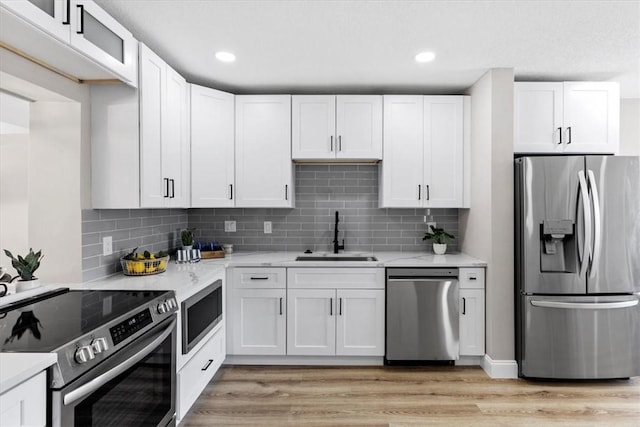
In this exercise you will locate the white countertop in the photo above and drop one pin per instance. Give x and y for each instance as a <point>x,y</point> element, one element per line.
<point>16,368</point>
<point>187,279</point>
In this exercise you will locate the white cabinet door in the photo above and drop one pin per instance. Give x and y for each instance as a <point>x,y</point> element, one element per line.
<point>443,151</point>
<point>26,403</point>
<point>97,35</point>
<point>175,140</point>
<point>313,126</point>
<point>591,117</point>
<point>153,185</point>
<point>212,148</point>
<point>51,16</point>
<point>311,324</point>
<point>472,322</point>
<point>359,126</point>
<point>402,165</point>
<point>258,321</point>
<point>360,323</point>
<point>263,151</point>
<point>538,117</point>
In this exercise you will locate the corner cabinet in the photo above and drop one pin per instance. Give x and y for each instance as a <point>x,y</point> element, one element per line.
<point>164,134</point>
<point>329,127</point>
<point>264,171</point>
<point>472,312</point>
<point>82,27</point>
<point>257,303</point>
<point>212,148</point>
<point>426,152</point>
<point>567,117</point>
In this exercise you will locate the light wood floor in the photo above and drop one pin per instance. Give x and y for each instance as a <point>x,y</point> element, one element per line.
<point>403,396</point>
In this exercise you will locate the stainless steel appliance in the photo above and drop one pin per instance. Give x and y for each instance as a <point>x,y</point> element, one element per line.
<point>200,314</point>
<point>422,315</point>
<point>577,266</point>
<point>116,353</point>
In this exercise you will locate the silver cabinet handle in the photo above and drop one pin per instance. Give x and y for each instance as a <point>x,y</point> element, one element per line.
<point>586,207</point>
<point>585,305</point>
<point>99,381</point>
<point>597,229</point>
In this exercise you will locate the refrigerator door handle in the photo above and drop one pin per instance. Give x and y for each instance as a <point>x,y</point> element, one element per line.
<point>585,305</point>
<point>586,208</point>
<point>597,244</point>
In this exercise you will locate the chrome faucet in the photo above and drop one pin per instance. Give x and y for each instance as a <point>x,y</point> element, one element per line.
<point>336,246</point>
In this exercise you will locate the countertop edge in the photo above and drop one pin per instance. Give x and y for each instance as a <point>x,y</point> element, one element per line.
<point>16,368</point>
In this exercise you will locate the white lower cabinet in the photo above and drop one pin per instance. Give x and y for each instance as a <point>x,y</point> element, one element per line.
<point>26,403</point>
<point>325,319</point>
<point>257,303</point>
<point>199,370</point>
<point>472,322</point>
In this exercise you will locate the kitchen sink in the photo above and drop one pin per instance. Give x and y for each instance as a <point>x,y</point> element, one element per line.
<point>336,258</point>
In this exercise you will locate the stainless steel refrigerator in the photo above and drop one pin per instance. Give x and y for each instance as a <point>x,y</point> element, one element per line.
<point>577,266</point>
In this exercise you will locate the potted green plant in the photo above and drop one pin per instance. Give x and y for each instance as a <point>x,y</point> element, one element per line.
<point>439,237</point>
<point>187,238</point>
<point>25,266</point>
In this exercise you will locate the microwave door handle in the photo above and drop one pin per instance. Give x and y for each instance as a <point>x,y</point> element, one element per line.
<point>93,385</point>
<point>586,211</point>
<point>597,236</point>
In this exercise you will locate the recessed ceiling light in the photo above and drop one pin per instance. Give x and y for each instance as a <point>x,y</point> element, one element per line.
<point>425,57</point>
<point>225,56</point>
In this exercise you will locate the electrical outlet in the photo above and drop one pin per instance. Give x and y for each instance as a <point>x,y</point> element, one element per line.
<point>430,224</point>
<point>267,227</point>
<point>107,245</point>
<point>230,226</point>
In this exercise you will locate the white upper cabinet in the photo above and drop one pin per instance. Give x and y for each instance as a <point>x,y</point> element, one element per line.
<point>569,117</point>
<point>164,134</point>
<point>328,127</point>
<point>94,45</point>
<point>264,172</point>
<point>426,152</point>
<point>212,148</point>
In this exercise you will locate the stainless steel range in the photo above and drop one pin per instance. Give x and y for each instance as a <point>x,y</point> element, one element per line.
<point>116,353</point>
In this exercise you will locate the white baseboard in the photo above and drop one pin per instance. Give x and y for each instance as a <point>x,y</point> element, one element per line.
<point>499,368</point>
<point>469,361</point>
<point>305,360</point>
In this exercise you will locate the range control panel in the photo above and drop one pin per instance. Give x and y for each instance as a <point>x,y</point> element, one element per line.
<point>130,326</point>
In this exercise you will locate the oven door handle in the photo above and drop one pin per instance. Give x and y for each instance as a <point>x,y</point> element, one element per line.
<point>101,380</point>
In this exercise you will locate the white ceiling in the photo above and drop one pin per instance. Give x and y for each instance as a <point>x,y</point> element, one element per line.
<point>368,46</point>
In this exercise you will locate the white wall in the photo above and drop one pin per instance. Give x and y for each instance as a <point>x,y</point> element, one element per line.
<point>488,226</point>
<point>630,127</point>
<point>56,170</point>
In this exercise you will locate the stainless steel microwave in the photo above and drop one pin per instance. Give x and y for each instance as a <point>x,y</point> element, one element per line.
<point>200,314</point>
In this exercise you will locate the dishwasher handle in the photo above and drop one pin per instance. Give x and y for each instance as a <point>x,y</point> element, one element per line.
<point>420,279</point>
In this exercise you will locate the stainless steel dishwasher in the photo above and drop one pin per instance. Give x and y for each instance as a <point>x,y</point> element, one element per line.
<point>422,315</point>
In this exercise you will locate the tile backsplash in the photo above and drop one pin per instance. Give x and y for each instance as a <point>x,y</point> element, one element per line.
<point>321,190</point>
<point>148,229</point>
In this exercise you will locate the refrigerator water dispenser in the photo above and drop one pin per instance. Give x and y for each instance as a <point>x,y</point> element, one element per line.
<point>557,248</point>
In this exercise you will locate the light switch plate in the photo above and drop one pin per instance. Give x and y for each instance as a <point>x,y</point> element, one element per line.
<point>429,224</point>
<point>107,245</point>
<point>267,227</point>
<point>230,226</point>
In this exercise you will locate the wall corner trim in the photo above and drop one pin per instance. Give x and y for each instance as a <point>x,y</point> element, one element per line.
<point>499,368</point>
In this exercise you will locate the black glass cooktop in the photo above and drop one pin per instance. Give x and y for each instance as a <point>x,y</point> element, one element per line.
<point>55,320</point>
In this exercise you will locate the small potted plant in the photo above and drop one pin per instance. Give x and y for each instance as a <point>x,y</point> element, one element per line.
<point>25,266</point>
<point>439,237</point>
<point>187,238</point>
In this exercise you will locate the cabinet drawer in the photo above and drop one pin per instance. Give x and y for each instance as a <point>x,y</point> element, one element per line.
<point>197,372</point>
<point>332,278</point>
<point>472,278</point>
<point>259,278</point>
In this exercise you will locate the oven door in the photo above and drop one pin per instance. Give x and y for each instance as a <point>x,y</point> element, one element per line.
<point>134,387</point>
